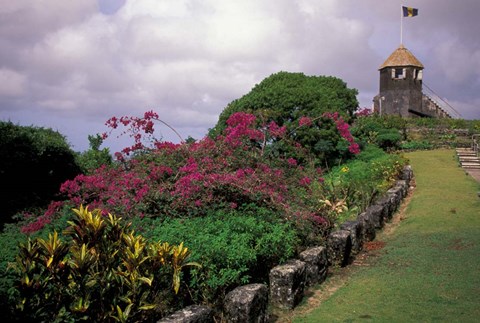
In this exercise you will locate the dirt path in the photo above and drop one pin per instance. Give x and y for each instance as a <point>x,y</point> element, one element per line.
<point>475,173</point>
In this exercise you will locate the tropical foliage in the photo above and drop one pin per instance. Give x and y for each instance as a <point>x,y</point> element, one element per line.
<point>100,271</point>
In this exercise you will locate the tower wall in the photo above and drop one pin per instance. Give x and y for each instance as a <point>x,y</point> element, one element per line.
<point>400,91</point>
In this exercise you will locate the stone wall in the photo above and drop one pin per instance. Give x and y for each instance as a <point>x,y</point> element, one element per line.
<point>288,281</point>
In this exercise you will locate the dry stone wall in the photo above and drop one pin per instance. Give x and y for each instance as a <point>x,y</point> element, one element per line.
<point>288,281</point>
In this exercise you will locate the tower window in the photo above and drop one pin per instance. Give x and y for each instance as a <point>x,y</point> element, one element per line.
<point>399,73</point>
<point>420,75</point>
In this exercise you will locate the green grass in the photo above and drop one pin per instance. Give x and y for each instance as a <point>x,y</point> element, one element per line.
<point>429,270</point>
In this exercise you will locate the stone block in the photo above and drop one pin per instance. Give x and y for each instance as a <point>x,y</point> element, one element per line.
<point>396,193</point>
<point>339,248</point>
<point>316,263</point>
<point>398,189</point>
<point>387,204</point>
<point>190,314</point>
<point>376,214</point>
<point>247,304</point>
<point>356,234</point>
<point>404,186</point>
<point>368,226</point>
<point>407,174</point>
<point>287,284</point>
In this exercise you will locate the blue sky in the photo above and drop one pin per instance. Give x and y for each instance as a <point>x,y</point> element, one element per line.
<point>71,65</point>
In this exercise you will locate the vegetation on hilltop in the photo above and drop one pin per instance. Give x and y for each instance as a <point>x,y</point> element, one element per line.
<point>293,99</point>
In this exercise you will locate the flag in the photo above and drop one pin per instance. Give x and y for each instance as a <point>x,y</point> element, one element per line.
<point>409,12</point>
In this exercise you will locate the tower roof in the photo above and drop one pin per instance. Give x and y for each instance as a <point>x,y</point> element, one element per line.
<point>401,57</point>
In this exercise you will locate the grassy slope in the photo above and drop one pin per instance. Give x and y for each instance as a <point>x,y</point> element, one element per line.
<point>429,270</point>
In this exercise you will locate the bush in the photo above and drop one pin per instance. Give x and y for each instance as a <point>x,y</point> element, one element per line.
<point>35,162</point>
<point>242,204</point>
<point>351,187</point>
<point>9,241</point>
<point>235,247</point>
<point>388,139</point>
<point>190,180</point>
<point>383,131</point>
<point>102,272</point>
<point>416,145</point>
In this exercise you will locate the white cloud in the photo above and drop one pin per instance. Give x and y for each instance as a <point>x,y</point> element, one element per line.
<point>13,83</point>
<point>188,59</point>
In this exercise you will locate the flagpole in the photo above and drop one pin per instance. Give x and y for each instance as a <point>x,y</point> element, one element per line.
<point>401,25</point>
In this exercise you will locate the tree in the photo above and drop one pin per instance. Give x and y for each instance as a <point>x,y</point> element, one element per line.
<point>35,161</point>
<point>94,157</point>
<point>287,98</point>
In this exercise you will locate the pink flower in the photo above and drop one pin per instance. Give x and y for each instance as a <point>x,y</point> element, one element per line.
<point>354,148</point>
<point>343,129</point>
<point>305,121</point>
<point>319,220</point>
<point>305,181</point>
<point>292,162</point>
<point>276,130</point>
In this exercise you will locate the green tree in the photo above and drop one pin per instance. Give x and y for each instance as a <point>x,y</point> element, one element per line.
<point>287,97</point>
<point>94,157</point>
<point>34,162</point>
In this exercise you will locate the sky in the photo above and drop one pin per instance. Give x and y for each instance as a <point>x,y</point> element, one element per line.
<point>71,65</point>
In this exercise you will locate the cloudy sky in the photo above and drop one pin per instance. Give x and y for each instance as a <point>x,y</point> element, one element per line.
<point>70,65</point>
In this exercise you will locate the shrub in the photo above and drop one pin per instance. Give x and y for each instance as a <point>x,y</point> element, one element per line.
<point>103,272</point>
<point>9,241</point>
<point>179,180</point>
<point>416,145</point>
<point>388,139</point>
<point>35,161</point>
<point>351,187</point>
<point>235,247</point>
<point>383,131</point>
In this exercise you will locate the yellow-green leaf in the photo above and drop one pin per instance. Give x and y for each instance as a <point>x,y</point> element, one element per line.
<point>146,280</point>
<point>147,307</point>
<point>49,261</point>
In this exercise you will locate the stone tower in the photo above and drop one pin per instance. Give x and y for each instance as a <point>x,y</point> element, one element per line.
<point>400,85</point>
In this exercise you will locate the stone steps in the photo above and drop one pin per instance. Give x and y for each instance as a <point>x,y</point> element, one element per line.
<point>468,158</point>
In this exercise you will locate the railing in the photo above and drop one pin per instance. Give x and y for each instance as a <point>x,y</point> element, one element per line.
<point>442,103</point>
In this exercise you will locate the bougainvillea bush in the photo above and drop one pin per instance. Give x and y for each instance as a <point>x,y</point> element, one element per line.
<point>237,168</point>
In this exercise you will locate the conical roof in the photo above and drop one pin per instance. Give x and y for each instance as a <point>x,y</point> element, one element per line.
<point>401,57</point>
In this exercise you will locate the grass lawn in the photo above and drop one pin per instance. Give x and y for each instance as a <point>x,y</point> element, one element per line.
<point>429,269</point>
